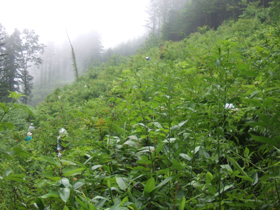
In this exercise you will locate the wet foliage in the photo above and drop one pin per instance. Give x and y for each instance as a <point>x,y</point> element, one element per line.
<point>195,127</point>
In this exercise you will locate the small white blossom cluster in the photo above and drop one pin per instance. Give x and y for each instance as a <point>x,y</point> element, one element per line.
<point>229,106</point>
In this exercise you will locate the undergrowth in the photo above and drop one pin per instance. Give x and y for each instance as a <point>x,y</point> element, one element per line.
<point>157,134</point>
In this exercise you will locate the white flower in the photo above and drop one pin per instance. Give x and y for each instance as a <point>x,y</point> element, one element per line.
<point>229,106</point>
<point>59,97</point>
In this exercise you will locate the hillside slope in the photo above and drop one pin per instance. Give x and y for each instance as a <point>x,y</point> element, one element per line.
<point>196,127</point>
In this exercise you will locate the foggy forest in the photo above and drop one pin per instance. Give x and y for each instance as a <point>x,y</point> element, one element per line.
<point>153,104</point>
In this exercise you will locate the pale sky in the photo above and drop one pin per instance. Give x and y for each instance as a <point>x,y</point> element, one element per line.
<point>116,20</point>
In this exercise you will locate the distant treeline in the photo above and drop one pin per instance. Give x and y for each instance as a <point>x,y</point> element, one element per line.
<point>210,13</point>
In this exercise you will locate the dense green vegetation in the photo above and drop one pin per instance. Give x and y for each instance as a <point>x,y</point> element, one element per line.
<point>157,134</point>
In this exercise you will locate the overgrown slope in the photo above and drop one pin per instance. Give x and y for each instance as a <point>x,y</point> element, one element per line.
<point>158,134</point>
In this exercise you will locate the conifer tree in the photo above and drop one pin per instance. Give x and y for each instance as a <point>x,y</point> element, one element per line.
<point>14,61</point>
<point>3,71</point>
<point>30,52</point>
<point>153,22</point>
<point>21,51</point>
<point>159,13</point>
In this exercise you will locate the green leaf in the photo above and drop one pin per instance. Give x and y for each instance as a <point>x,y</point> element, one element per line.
<point>25,108</point>
<point>78,184</point>
<point>255,178</point>
<point>254,102</point>
<point>116,207</point>
<point>183,203</point>
<point>4,107</point>
<point>179,125</point>
<point>258,123</point>
<point>51,194</point>
<point>275,117</point>
<point>15,95</point>
<point>92,207</point>
<point>54,178</point>
<point>196,149</point>
<point>8,171</point>
<point>100,197</point>
<point>237,166</point>
<point>164,182</point>
<point>133,205</point>
<point>246,152</point>
<point>50,160</point>
<point>224,189</point>
<point>121,183</point>
<point>270,176</point>
<point>254,93</point>
<point>65,208</point>
<point>132,198</point>
<point>95,167</point>
<point>227,167</point>
<point>15,177</point>
<point>264,140</point>
<point>67,162</point>
<point>133,138</point>
<point>110,190</point>
<point>157,124</point>
<point>81,203</point>
<point>131,143</point>
<point>208,177</point>
<point>206,154</point>
<point>188,207</point>
<point>120,130</point>
<point>170,140</point>
<point>40,204</point>
<point>64,194</point>
<point>149,187</point>
<point>182,123</point>
<point>158,149</point>
<point>185,156</point>
<point>246,178</point>
<point>65,182</point>
<point>217,63</point>
<point>123,201</point>
<point>74,172</point>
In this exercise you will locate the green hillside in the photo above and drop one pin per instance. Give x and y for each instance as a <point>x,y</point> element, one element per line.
<point>196,127</point>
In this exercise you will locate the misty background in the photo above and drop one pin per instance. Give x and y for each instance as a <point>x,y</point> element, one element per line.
<point>94,28</point>
<point>116,21</point>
